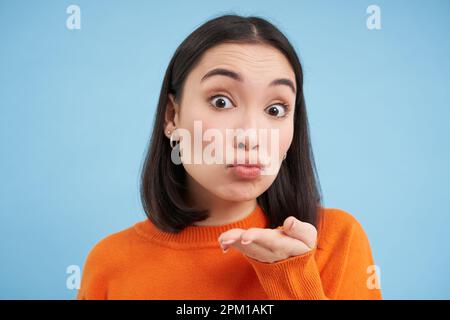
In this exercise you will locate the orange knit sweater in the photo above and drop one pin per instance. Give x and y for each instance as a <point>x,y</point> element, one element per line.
<point>143,262</point>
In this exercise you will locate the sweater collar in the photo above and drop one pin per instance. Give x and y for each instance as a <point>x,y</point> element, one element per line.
<point>199,236</point>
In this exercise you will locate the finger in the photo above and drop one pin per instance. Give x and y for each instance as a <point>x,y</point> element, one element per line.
<point>302,231</point>
<point>251,234</point>
<point>256,251</point>
<point>275,241</point>
<point>230,236</point>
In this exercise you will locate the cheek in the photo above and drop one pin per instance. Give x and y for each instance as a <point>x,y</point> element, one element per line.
<point>197,117</point>
<point>205,174</point>
<point>278,144</point>
<point>286,136</point>
<point>208,140</point>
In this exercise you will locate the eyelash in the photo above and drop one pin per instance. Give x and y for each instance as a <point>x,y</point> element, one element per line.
<point>287,108</point>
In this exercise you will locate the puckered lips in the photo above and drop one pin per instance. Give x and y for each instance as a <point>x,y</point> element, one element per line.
<point>245,170</point>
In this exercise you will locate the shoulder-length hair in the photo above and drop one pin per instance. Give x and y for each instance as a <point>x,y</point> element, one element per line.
<point>294,192</point>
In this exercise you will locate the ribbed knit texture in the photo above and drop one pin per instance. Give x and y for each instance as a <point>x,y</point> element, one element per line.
<point>143,262</point>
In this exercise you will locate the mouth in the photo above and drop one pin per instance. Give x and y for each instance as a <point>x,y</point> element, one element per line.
<point>246,171</point>
<point>246,165</point>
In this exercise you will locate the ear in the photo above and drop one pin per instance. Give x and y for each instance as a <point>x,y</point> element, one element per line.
<point>171,115</point>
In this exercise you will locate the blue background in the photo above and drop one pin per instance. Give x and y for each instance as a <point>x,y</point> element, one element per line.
<point>77,107</point>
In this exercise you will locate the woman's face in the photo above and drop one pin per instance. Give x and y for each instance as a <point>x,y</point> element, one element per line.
<point>245,97</point>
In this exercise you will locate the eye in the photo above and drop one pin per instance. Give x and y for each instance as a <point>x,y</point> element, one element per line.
<point>278,110</point>
<point>221,102</point>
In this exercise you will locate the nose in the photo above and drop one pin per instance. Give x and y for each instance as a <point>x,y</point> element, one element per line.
<point>246,136</point>
<point>247,140</point>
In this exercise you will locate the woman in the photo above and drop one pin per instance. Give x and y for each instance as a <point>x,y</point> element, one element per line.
<point>233,229</point>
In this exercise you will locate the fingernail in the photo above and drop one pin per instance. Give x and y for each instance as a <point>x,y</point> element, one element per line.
<point>225,250</point>
<point>246,241</point>
<point>228,241</point>
<point>292,225</point>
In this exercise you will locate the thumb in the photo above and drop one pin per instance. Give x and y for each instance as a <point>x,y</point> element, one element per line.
<point>299,230</point>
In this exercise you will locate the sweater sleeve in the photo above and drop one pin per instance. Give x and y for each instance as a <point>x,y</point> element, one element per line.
<point>346,262</point>
<point>294,278</point>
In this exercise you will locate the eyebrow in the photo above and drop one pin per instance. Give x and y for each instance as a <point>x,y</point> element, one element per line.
<point>236,76</point>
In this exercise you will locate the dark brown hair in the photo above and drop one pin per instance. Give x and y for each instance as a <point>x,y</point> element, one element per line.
<point>295,191</point>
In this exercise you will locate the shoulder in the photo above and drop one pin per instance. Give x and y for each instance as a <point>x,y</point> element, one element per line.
<point>337,226</point>
<point>110,251</point>
<point>108,258</point>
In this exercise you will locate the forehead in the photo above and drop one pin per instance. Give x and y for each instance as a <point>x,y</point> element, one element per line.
<point>253,61</point>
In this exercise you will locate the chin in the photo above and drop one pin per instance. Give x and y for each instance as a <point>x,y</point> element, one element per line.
<point>235,193</point>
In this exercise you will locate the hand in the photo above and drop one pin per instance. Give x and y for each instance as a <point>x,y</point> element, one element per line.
<point>271,245</point>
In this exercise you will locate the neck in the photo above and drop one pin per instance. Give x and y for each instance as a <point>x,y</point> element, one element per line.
<point>224,212</point>
<point>220,211</point>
